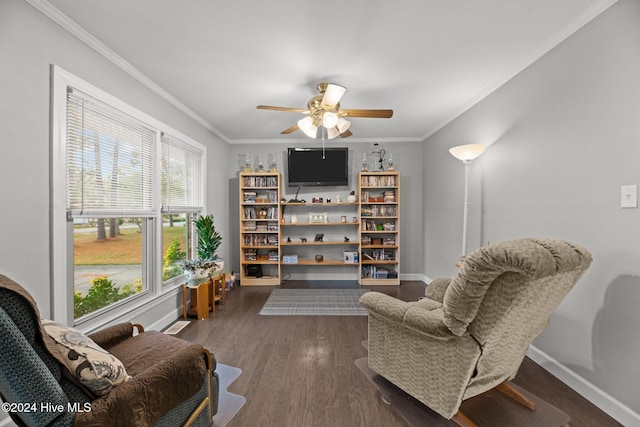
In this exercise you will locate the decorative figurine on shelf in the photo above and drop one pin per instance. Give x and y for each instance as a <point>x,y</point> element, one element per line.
<point>346,239</point>
<point>303,239</point>
<point>246,162</point>
<point>318,237</point>
<point>319,258</point>
<point>259,163</point>
<point>364,168</point>
<point>288,239</point>
<point>380,152</point>
<point>352,197</point>
<point>272,162</point>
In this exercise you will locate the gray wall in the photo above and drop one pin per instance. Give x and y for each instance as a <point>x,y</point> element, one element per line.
<point>565,136</point>
<point>407,159</point>
<point>29,43</point>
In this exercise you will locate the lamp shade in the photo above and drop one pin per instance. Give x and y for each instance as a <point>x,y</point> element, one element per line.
<point>307,126</point>
<point>467,152</point>
<point>343,124</point>
<point>332,95</point>
<point>332,132</point>
<point>329,119</point>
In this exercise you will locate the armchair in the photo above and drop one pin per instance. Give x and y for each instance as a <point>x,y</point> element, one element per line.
<point>471,333</point>
<point>173,382</point>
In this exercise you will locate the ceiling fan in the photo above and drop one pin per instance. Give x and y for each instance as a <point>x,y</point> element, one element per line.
<point>324,110</point>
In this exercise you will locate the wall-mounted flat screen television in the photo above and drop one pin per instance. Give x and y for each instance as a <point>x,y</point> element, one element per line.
<point>318,166</point>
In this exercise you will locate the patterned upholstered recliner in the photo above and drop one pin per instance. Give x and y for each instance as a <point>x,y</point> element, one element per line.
<point>470,334</point>
<point>173,382</point>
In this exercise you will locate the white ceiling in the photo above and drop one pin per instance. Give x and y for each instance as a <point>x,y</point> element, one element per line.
<point>428,60</point>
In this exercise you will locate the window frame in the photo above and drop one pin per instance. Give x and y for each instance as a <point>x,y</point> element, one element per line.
<point>61,222</point>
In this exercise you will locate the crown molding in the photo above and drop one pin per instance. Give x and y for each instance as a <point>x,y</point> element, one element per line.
<point>81,34</point>
<point>319,140</point>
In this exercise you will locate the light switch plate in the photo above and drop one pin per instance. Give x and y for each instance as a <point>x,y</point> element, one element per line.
<point>629,196</point>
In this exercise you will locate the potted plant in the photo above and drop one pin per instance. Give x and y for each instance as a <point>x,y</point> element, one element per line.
<point>207,263</point>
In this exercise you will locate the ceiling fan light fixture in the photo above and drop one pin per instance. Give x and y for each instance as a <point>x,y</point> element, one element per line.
<point>343,124</point>
<point>332,132</point>
<point>306,125</point>
<point>323,112</point>
<point>329,119</point>
<point>332,95</point>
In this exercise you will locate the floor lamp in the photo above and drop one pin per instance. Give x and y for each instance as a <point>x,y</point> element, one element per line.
<point>466,153</point>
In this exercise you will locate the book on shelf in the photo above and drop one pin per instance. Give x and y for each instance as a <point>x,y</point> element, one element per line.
<point>260,181</point>
<point>249,196</point>
<point>378,180</point>
<point>389,196</point>
<point>250,255</point>
<point>259,239</point>
<point>373,272</point>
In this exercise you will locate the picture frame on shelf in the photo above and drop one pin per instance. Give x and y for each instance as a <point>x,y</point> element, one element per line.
<point>318,217</point>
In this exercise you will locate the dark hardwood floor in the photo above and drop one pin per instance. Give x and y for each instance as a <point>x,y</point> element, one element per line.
<point>300,371</point>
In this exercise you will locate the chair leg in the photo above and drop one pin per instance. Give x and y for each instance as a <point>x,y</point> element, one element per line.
<point>462,420</point>
<point>509,391</point>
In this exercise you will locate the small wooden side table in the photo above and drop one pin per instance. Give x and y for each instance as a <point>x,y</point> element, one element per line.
<point>214,294</point>
<point>198,299</point>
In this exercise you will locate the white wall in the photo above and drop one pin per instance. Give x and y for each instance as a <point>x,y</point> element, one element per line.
<point>565,136</point>
<point>29,43</point>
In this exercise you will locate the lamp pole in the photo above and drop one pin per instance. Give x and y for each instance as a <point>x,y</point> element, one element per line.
<point>465,215</point>
<point>466,153</point>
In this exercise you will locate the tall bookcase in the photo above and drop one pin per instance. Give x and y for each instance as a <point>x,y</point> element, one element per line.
<point>260,194</point>
<point>379,194</point>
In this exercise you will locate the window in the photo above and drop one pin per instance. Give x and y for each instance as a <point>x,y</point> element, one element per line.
<point>124,193</point>
<point>181,188</point>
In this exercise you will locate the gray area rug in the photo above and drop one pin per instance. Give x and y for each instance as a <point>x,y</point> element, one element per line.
<point>314,302</point>
<point>229,403</point>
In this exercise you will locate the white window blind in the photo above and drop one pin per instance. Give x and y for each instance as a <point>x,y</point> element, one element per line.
<point>180,176</point>
<point>111,167</point>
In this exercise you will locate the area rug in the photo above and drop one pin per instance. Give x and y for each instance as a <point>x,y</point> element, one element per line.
<point>228,403</point>
<point>314,302</point>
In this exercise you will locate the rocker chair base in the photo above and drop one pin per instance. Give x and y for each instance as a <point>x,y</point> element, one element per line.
<point>488,409</point>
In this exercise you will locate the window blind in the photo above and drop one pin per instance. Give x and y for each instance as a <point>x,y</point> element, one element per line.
<point>180,176</point>
<point>111,166</point>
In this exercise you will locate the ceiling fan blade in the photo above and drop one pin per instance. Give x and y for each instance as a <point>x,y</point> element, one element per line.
<point>347,133</point>
<point>375,114</point>
<point>293,110</point>
<point>332,95</point>
<point>290,130</point>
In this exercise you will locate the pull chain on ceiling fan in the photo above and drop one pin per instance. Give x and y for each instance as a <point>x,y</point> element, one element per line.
<point>324,110</point>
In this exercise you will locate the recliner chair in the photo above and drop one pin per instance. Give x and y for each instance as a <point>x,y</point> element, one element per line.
<point>471,333</point>
<point>173,382</point>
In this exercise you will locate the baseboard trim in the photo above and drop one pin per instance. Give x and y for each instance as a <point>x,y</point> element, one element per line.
<point>609,404</point>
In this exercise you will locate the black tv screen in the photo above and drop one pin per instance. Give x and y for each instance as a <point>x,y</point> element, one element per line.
<point>318,166</point>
